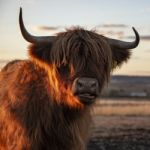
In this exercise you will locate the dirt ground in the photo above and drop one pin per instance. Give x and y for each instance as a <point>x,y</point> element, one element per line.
<point>120,133</point>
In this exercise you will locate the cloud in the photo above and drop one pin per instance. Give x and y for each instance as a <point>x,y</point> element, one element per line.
<point>48,28</point>
<point>119,34</point>
<point>112,25</point>
<point>113,30</point>
<point>142,37</point>
<point>146,37</point>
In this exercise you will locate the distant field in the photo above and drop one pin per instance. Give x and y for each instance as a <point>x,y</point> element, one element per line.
<point>128,86</point>
<point>122,107</point>
<point>121,124</point>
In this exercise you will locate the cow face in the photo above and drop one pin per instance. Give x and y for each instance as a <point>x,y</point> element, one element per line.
<point>81,61</point>
<point>78,62</point>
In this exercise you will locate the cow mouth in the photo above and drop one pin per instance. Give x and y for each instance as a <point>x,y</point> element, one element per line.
<point>86,98</point>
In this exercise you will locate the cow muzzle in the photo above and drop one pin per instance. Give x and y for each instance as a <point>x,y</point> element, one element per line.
<point>86,89</point>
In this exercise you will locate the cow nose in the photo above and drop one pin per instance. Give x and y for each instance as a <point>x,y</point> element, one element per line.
<point>86,85</point>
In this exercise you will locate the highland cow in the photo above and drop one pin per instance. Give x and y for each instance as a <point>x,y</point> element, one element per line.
<point>46,101</point>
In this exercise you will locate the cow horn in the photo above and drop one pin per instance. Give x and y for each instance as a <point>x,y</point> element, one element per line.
<point>30,38</point>
<point>125,45</point>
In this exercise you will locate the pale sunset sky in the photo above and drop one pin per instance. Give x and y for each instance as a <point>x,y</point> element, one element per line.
<point>112,18</point>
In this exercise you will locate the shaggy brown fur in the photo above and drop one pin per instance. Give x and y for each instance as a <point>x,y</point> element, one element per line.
<point>37,108</point>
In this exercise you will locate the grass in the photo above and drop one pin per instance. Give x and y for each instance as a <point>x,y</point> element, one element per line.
<point>122,107</point>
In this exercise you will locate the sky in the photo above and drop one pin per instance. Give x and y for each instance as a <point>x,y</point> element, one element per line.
<point>112,18</point>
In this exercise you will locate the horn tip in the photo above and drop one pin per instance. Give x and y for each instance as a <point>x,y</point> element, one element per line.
<point>135,31</point>
<point>20,15</point>
<point>20,9</point>
<point>133,28</point>
<point>137,36</point>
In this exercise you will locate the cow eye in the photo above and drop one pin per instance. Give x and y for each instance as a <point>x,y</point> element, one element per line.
<point>63,70</point>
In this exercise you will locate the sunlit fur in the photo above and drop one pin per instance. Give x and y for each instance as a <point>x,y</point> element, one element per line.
<point>38,110</point>
<point>83,53</point>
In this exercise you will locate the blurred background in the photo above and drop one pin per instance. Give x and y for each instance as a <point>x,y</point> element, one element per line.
<point>113,18</point>
<point>127,97</point>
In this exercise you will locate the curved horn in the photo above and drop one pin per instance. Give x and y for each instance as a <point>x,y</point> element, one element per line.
<point>125,45</point>
<point>30,38</point>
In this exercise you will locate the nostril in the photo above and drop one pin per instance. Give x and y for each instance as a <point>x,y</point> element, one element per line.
<point>86,83</point>
<point>80,84</point>
<point>93,85</point>
<point>85,86</point>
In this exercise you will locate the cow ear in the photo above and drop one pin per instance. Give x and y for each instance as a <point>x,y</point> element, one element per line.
<point>120,49</point>
<point>119,56</point>
<point>40,52</point>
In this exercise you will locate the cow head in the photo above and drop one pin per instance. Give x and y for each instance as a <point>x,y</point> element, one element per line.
<point>78,61</point>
